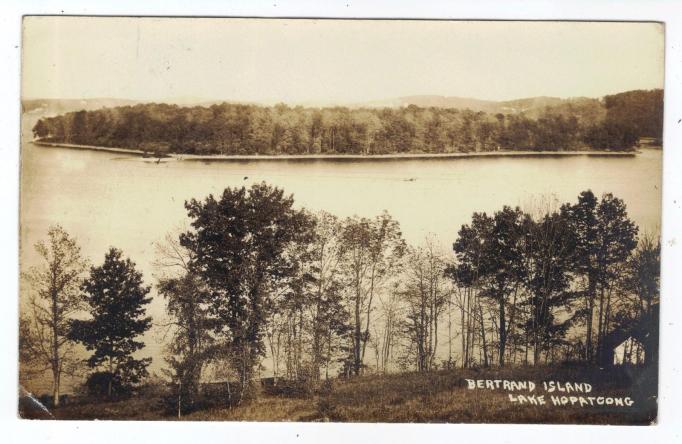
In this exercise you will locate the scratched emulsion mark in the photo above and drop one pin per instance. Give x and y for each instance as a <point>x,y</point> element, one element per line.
<point>29,405</point>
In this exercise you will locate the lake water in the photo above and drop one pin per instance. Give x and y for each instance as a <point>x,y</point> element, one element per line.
<point>108,200</point>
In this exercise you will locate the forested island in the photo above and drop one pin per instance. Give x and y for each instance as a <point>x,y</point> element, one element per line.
<point>614,123</point>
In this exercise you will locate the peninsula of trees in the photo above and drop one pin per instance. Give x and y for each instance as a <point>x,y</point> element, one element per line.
<point>615,122</point>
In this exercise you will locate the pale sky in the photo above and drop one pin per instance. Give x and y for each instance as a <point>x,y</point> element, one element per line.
<point>334,61</point>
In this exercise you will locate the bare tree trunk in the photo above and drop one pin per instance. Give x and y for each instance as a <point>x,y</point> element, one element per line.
<point>470,328</point>
<point>55,388</point>
<point>357,335</point>
<point>274,352</point>
<point>329,353</point>
<point>607,314</point>
<point>503,333</point>
<point>450,330</point>
<point>510,334</point>
<point>369,310</point>
<point>536,347</point>
<point>55,347</point>
<point>483,338</point>
<point>111,377</point>
<point>179,397</point>
<point>299,352</point>
<point>600,324</point>
<point>590,315</point>
<point>465,335</point>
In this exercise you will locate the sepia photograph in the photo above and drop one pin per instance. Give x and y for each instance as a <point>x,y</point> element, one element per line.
<point>340,220</point>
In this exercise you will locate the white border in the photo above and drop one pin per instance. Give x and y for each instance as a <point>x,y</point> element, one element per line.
<point>668,430</point>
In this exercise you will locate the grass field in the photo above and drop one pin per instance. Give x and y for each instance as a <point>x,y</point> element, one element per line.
<point>442,396</point>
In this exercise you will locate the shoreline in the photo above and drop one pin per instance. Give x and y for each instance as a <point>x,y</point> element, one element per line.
<point>88,147</point>
<point>368,157</point>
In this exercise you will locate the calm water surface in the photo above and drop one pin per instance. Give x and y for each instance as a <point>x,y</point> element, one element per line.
<point>107,200</point>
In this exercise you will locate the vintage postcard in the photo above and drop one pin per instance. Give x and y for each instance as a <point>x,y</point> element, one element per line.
<point>238,219</point>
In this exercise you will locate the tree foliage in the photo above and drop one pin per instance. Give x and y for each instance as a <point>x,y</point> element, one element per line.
<point>54,299</point>
<point>192,345</point>
<point>116,299</point>
<point>425,295</point>
<point>547,274</point>
<point>370,252</point>
<point>239,244</point>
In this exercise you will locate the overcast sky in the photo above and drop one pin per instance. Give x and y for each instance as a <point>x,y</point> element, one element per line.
<point>324,61</point>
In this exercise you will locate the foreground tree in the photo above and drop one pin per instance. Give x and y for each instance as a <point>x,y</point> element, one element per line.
<point>191,346</point>
<point>328,316</point>
<point>238,245</point>
<point>502,267</point>
<point>583,220</point>
<point>471,252</point>
<point>643,279</point>
<point>490,260</point>
<point>425,297</point>
<point>618,239</point>
<point>307,321</point>
<point>642,285</point>
<point>549,255</point>
<point>604,239</point>
<point>116,299</point>
<point>370,250</point>
<point>54,300</point>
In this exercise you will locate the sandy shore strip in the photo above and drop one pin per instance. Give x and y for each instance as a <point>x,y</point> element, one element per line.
<point>353,157</point>
<point>89,147</point>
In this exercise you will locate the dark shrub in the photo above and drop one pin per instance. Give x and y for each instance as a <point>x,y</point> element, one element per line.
<point>97,385</point>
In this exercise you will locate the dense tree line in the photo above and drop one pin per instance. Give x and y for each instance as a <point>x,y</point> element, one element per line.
<point>549,284</point>
<point>616,122</point>
<point>255,280</point>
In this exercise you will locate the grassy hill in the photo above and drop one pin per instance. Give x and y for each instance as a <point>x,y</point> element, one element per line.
<point>441,396</point>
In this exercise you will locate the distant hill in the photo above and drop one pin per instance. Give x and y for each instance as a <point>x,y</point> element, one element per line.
<point>531,105</point>
<point>427,101</point>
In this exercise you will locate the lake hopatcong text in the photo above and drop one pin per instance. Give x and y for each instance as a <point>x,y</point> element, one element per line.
<point>553,393</point>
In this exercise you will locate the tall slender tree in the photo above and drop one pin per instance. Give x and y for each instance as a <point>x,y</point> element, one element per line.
<point>471,252</point>
<point>329,318</point>
<point>192,346</point>
<point>370,249</point>
<point>425,297</point>
<point>54,299</point>
<point>617,240</point>
<point>503,266</point>
<point>639,308</point>
<point>583,225</point>
<point>549,255</point>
